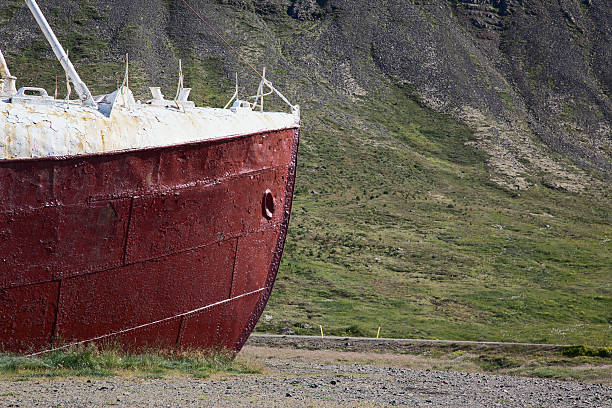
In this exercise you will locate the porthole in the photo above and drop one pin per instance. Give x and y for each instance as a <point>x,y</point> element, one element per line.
<point>268,205</point>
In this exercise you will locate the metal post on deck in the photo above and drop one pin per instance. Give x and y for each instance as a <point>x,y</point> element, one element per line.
<point>8,80</point>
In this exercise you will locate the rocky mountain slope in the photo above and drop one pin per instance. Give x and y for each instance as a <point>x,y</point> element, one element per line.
<point>451,149</point>
<point>531,77</point>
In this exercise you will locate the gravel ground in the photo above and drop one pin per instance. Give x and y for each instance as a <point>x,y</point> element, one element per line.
<point>395,346</point>
<point>308,381</point>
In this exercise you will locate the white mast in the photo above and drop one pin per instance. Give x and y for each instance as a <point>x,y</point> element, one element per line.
<point>61,55</point>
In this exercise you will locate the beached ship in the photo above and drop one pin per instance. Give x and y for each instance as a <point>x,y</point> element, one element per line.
<point>157,224</point>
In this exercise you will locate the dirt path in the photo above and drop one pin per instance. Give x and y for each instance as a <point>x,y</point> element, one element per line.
<point>368,344</point>
<point>307,378</point>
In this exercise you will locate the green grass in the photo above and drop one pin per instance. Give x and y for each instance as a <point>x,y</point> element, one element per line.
<point>92,361</point>
<point>210,86</point>
<point>587,369</point>
<point>584,368</point>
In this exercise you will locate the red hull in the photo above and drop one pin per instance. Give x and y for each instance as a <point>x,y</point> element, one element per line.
<point>169,247</point>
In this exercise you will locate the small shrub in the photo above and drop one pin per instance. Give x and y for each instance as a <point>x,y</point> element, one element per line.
<point>582,350</point>
<point>492,363</point>
<point>354,331</point>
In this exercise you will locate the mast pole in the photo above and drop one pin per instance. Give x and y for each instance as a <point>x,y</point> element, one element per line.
<point>7,84</point>
<point>61,55</point>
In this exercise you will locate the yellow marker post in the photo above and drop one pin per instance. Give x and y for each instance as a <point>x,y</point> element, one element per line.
<point>322,336</point>
<point>378,334</point>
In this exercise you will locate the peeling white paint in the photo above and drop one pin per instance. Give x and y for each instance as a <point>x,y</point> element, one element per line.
<point>69,129</point>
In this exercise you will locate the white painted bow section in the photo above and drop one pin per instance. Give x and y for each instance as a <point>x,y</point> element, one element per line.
<point>56,130</point>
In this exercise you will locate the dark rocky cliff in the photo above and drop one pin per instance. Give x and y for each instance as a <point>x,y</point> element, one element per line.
<point>531,77</point>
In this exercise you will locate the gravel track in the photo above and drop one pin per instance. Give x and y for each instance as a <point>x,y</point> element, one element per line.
<point>308,381</point>
<point>368,344</point>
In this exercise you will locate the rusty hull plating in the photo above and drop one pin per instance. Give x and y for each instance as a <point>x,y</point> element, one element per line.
<point>167,247</point>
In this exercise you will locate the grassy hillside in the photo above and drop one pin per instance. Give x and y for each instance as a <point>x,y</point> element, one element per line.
<point>405,231</point>
<point>489,221</point>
